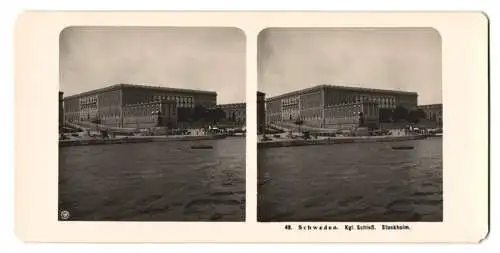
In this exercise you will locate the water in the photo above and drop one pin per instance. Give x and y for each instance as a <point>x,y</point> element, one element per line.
<point>159,181</point>
<point>352,182</point>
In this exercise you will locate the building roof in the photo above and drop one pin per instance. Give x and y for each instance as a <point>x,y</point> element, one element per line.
<point>150,87</point>
<point>339,87</point>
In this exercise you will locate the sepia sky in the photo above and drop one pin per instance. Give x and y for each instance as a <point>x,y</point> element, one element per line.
<point>192,58</point>
<point>401,59</point>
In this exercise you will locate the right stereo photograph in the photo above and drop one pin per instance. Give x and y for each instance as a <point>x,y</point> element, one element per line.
<point>350,125</point>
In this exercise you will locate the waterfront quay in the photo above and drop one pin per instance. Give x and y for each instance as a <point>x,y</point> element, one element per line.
<point>135,139</point>
<point>276,143</point>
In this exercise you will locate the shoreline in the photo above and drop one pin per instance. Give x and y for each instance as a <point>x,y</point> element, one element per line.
<point>280,143</point>
<point>135,139</point>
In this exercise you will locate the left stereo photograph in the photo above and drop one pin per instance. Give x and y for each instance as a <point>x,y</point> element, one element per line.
<point>152,124</point>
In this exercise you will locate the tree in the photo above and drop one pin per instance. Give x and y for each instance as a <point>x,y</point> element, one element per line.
<point>385,114</point>
<point>421,113</point>
<point>299,122</point>
<point>414,116</point>
<point>199,113</point>
<point>219,114</point>
<point>400,113</point>
<point>209,115</point>
<point>170,124</point>
<point>361,119</point>
<point>159,119</point>
<point>214,115</point>
<point>183,114</point>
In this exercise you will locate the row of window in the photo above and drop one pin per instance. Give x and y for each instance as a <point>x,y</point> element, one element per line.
<point>347,107</point>
<point>146,107</point>
<point>380,100</point>
<point>342,114</point>
<point>237,114</point>
<point>88,100</point>
<point>178,99</point>
<point>289,110</point>
<point>290,101</point>
<point>182,102</point>
<point>88,106</point>
<point>314,116</point>
<point>185,105</point>
<point>341,99</point>
<point>387,106</point>
<point>387,101</point>
<point>127,112</point>
<point>372,111</point>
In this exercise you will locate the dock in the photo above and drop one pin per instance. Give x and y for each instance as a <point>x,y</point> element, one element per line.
<point>277,143</point>
<point>136,139</point>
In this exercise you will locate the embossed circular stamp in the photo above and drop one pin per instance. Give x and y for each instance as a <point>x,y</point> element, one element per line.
<point>65,215</point>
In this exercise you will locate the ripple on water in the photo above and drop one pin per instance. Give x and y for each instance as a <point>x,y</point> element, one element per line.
<point>162,181</point>
<point>212,209</point>
<point>352,182</point>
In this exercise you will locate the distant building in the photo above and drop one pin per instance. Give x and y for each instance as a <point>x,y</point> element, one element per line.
<point>136,106</point>
<point>234,112</point>
<point>433,112</point>
<point>261,112</point>
<point>337,107</point>
<point>61,111</point>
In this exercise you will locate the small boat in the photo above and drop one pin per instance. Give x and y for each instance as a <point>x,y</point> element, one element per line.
<point>402,147</point>
<point>202,147</point>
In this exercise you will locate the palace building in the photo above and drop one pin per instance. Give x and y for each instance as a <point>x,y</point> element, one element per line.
<point>61,111</point>
<point>337,107</point>
<point>261,112</point>
<point>234,112</point>
<point>433,112</point>
<point>136,106</point>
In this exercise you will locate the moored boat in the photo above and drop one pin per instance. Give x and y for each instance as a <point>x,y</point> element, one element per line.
<point>202,147</point>
<point>402,147</point>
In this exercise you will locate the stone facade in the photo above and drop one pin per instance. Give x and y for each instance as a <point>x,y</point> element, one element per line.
<point>61,111</point>
<point>234,112</point>
<point>124,105</point>
<point>329,106</point>
<point>353,115</point>
<point>261,112</point>
<point>433,112</point>
<point>152,114</point>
